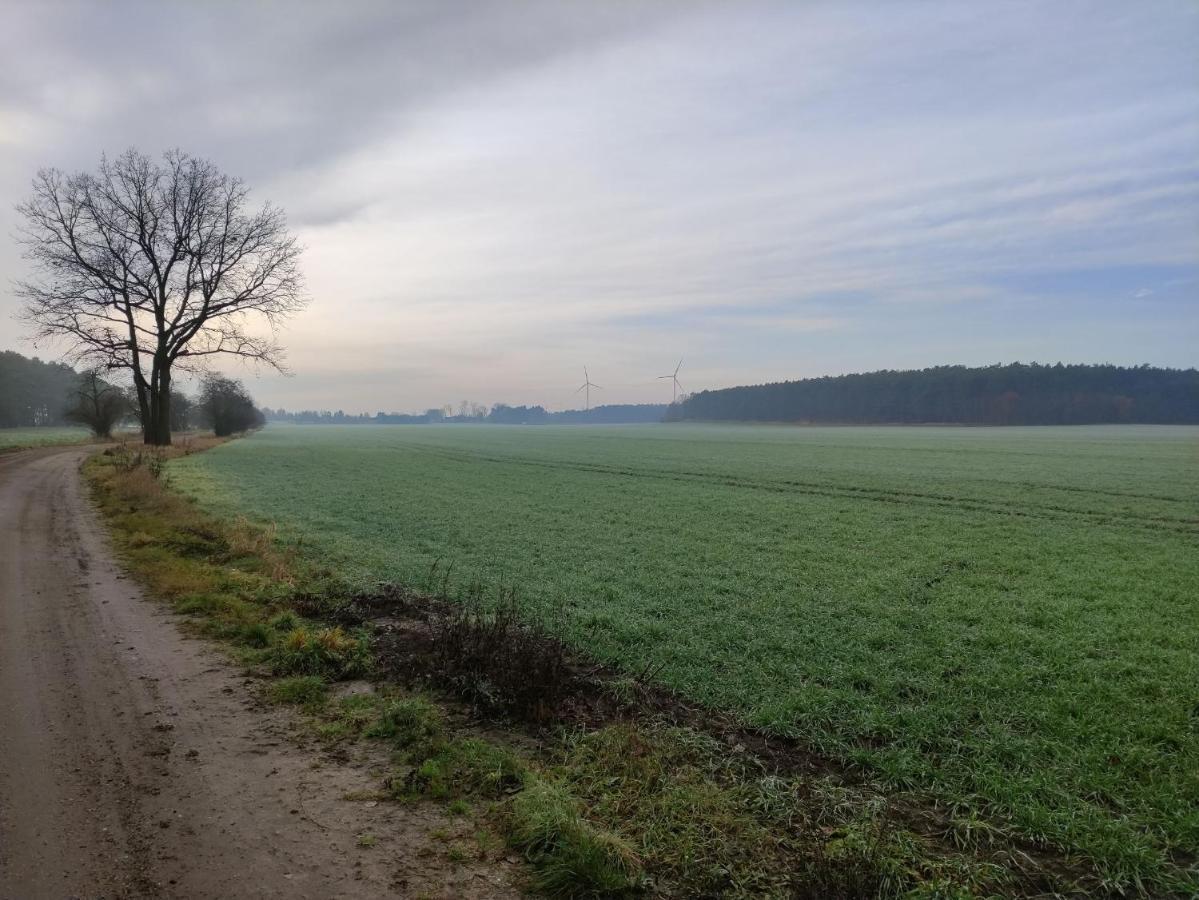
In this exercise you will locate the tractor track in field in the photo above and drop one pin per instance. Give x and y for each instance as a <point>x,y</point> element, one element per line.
<point>1022,509</point>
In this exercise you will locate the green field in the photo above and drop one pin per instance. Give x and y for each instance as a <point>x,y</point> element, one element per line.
<point>15,438</point>
<point>1006,620</point>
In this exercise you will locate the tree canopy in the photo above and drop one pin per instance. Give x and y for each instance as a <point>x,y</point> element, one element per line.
<point>1015,394</point>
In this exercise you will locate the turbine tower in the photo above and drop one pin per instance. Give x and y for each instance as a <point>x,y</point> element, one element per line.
<point>587,386</point>
<point>675,387</point>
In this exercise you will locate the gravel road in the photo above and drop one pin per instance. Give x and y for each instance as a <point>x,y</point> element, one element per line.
<point>137,762</point>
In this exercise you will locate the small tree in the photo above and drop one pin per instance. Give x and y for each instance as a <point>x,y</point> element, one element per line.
<point>97,405</point>
<point>227,407</point>
<point>149,266</point>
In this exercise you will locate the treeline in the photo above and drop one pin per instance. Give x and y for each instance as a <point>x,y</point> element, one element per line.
<point>498,414</point>
<point>1015,394</point>
<point>34,393</point>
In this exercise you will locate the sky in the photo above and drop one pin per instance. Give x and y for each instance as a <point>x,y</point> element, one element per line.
<point>493,195</point>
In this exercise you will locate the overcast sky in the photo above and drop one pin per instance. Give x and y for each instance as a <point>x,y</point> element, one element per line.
<point>494,194</point>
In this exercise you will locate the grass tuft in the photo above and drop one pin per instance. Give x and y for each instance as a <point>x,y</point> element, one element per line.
<point>411,722</point>
<point>570,856</point>
<point>327,652</point>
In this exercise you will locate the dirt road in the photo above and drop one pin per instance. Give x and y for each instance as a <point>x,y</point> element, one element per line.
<point>136,762</point>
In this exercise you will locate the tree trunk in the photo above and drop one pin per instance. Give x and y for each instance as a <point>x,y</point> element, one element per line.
<point>156,429</point>
<point>163,419</point>
<point>143,405</point>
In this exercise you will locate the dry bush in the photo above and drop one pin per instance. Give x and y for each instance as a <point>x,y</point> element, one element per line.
<point>497,661</point>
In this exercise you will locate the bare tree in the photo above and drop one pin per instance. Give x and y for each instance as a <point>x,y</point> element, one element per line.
<point>97,404</point>
<point>150,266</point>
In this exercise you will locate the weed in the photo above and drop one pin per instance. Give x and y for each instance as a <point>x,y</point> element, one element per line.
<point>349,718</point>
<point>259,545</point>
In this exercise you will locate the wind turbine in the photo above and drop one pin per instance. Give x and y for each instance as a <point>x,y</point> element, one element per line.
<point>587,386</point>
<point>676,388</point>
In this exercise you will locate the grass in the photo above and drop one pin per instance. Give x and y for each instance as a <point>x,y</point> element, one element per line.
<point>20,438</point>
<point>567,851</point>
<point>1002,620</point>
<point>323,652</point>
<point>630,808</point>
<point>300,690</point>
<point>604,811</point>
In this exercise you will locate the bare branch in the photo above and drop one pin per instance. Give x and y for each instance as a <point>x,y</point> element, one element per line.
<point>143,264</point>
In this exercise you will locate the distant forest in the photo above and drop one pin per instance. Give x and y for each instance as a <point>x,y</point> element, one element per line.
<point>499,414</point>
<point>33,392</point>
<point>1015,394</point>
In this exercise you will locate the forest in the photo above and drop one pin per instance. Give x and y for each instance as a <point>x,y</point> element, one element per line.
<point>1014,394</point>
<point>32,392</point>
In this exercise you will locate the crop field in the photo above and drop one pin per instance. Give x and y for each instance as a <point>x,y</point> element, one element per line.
<point>1003,620</point>
<point>12,438</point>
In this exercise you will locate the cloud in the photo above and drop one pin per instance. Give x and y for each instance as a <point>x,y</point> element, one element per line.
<point>770,189</point>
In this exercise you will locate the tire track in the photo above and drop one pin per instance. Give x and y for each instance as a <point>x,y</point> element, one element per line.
<point>1018,508</point>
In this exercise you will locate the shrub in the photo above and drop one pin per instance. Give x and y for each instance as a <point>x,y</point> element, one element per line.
<point>495,660</point>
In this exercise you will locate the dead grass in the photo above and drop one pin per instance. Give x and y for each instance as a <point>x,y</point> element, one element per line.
<point>177,549</point>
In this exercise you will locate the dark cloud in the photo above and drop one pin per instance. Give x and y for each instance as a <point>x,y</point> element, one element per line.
<point>264,85</point>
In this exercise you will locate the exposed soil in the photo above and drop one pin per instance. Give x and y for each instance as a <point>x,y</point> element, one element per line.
<point>136,762</point>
